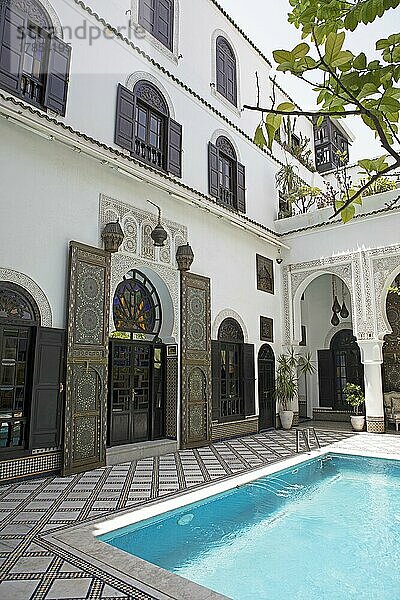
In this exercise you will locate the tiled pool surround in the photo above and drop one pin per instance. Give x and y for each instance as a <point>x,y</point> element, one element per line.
<point>34,564</point>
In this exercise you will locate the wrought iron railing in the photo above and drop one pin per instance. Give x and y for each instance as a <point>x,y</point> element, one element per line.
<point>149,154</point>
<point>31,89</point>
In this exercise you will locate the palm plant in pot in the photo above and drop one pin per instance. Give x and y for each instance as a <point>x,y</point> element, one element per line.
<point>355,397</point>
<point>290,365</point>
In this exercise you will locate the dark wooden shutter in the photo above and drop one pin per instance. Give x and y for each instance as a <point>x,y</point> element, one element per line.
<point>175,148</point>
<point>125,118</point>
<point>58,76</point>
<point>249,379</point>
<point>221,72</point>
<point>241,188</point>
<point>147,14</point>
<point>13,25</point>
<point>216,379</point>
<point>163,28</point>
<point>213,170</point>
<point>326,378</point>
<point>47,404</point>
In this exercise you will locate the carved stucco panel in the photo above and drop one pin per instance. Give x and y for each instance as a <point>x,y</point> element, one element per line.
<point>122,264</point>
<point>385,262</point>
<point>46,317</point>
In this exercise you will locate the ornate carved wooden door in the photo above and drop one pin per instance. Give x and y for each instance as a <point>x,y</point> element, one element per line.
<point>87,359</point>
<point>196,360</point>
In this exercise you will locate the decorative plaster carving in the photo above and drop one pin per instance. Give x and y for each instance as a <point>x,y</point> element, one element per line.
<point>46,317</point>
<point>385,267</point>
<point>218,133</point>
<point>37,16</point>
<point>137,76</point>
<point>225,314</point>
<point>138,251</point>
<point>296,278</point>
<point>334,330</point>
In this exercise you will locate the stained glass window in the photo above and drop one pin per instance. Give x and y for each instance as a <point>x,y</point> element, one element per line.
<point>15,305</point>
<point>137,306</point>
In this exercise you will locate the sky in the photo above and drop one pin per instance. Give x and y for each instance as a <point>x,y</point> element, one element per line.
<point>265,22</point>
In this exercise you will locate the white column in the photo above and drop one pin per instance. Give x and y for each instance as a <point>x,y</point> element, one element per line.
<point>372,359</point>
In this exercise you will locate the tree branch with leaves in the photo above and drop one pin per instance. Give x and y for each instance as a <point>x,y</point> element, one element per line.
<point>346,84</point>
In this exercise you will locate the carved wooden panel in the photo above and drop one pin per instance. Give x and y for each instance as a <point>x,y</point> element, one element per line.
<point>391,347</point>
<point>196,360</point>
<point>265,274</point>
<point>87,359</point>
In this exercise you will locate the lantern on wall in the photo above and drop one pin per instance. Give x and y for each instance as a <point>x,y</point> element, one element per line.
<point>158,235</point>
<point>184,257</point>
<point>112,236</point>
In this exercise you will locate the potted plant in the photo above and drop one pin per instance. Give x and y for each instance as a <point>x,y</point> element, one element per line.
<point>355,397</point>
<point>286,388</point>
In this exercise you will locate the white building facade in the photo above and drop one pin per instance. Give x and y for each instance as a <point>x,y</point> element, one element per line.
<point>109,111</point>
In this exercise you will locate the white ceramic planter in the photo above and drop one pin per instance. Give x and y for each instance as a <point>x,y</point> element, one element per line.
<point>357,422</point>
<point>286,417</point>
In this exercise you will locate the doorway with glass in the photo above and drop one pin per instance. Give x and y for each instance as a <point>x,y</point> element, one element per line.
<point>137,358</point>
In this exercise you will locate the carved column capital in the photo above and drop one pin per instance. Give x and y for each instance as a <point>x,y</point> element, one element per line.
<point>371,351</point>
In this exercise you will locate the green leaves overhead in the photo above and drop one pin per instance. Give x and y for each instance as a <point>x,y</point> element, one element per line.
<point>272,124</point>
<point>376,165</point>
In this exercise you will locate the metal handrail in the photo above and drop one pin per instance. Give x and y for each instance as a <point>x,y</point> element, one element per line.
<point>305,433</point>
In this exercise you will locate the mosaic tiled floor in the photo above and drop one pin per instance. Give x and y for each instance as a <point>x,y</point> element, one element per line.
<point>31,568</point>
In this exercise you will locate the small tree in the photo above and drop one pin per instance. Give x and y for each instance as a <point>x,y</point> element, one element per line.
<point>354,396</point>
<point>289,365</point>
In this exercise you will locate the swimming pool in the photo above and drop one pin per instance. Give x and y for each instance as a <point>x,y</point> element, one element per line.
<point>328,528</point>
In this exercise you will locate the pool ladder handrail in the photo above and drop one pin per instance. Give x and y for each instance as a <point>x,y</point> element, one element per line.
<point>305,433</point>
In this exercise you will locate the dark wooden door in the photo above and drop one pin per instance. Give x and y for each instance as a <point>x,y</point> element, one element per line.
<point>266,387</point>
<point>347,366</point>
<point>136,402</point>
<point>15,386</point>
<point>48,388</point>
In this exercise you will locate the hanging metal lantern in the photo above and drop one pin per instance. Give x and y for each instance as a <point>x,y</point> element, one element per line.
<point>336,306</point>
<point>184,257</point>
<point>112,236</point>
<point>344,313</point>
<point>335,320</point>
<point>158,235</point>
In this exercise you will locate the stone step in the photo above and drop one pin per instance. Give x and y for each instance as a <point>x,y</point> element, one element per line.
<point>123,454</point>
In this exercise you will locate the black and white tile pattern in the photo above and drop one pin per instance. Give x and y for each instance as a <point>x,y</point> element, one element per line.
<point>30,567</point>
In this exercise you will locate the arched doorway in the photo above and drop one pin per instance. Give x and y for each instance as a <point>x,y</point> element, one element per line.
<point>266,387</point>
<point>19,319</point>
<point>339,365</point>
<point>137,357</point>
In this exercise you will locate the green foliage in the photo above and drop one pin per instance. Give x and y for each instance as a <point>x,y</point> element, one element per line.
<point>382,184</point>
<point>354,395</point>
<point>289,366</point>
<point>346,82</point>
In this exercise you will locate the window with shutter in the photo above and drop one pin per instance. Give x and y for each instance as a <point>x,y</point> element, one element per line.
<point>226,70</point>
<point>226,176</point>
<point>227,357</point>
<point>144,127</point>
<point>157,17</point>
<point>34,64</point>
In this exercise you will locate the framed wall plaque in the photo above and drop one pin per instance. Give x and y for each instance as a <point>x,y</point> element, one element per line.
<point>265,274</point>
<point>266,329</point>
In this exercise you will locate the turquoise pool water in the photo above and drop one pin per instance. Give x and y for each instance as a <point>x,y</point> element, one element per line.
<point>328,529</point>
